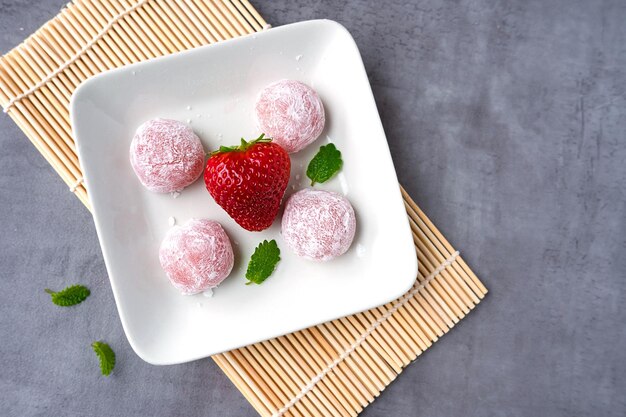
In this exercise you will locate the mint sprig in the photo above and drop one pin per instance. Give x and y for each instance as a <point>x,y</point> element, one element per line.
<point>263,262</point>
<point>69,296</point>
<point>106,356</point>
<point>325,164</point>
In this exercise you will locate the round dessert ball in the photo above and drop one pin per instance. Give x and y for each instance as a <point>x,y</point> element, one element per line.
<point>196,256</point>
<point>166,155</point>
<point>318,225</point>
<point>291,113</point>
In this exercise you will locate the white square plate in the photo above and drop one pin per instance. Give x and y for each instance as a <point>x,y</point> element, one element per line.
<point>214,88</point>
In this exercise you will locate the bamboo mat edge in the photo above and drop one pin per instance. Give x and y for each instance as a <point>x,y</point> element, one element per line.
<point>333,369</point>
<point>445,292</point>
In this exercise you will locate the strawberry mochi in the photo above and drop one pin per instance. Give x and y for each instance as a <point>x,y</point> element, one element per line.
<point>318,225</point>
<point>291,113</point>
<point>196,256</point>
<point>166,155</point>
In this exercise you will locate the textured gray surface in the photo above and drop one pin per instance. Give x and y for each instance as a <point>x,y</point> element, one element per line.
<point>506,123</point>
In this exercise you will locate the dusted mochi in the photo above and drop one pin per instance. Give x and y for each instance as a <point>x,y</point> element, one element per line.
<point>196,256</point>
<point>166,155</point>
<point>318,225</point>
<point>291,113</point>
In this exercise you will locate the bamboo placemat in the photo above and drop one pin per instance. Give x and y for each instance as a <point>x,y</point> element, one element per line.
<point>334,369</point>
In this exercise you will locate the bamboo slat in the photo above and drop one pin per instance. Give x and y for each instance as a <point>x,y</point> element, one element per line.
<point>333,369</point>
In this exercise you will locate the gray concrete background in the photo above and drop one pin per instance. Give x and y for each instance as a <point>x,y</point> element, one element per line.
<point>506,123</point>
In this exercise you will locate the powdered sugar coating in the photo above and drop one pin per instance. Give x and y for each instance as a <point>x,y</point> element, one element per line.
<point>291,113</point>
<point>318,225</point>
<point>196,256</point>
<point>166,155</point>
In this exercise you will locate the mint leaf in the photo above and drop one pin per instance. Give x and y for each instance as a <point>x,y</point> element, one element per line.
<point>325,164</point>
<point>106,356</point>
<point>70,296</point>
<point>263,262</point>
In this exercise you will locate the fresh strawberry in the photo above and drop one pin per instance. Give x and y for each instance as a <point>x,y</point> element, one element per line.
<point>249,180</point>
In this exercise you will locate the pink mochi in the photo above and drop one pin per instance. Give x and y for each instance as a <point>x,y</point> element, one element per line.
<point>318,225</point>
<point>291,113</point>
<point>196,256</point>
<point>166,155</point>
